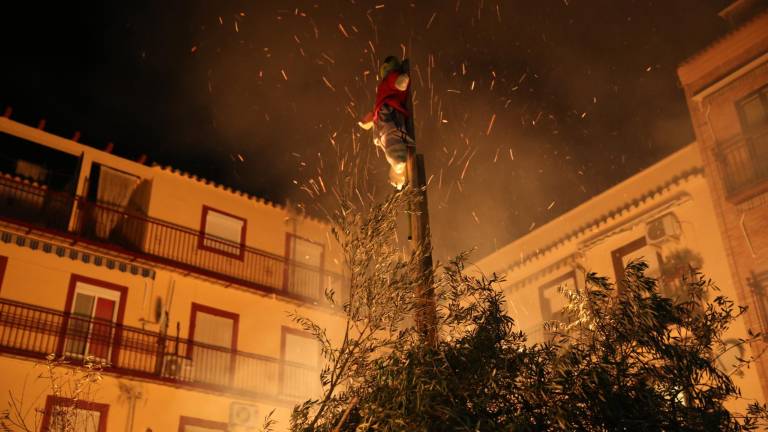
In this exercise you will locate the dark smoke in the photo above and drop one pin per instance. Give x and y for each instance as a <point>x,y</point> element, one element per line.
<point>584,92</point>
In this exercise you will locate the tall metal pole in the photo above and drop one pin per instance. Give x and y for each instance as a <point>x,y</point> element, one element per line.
<point>421,238</point>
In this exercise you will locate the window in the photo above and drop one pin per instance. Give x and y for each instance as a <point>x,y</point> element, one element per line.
<point>62,414</point>
<point>300,347</point>
<point>214,333</point>
<point>31,171</point>
<point>223,233</point>
<point>635,250</point>
<point>753,110</point>
<point>551,300</point>
<point>301,357</point>
<point>95,308</point>
<point>192,424</point>
<point>111,187</point>
<point>304,275</point>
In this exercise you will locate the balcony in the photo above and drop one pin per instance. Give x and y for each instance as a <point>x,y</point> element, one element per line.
<point>744,163</point>
<point>143,238</point>
<point>35,332</point>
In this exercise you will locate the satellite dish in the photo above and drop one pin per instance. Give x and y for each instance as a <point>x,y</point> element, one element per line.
<point>157,312</point>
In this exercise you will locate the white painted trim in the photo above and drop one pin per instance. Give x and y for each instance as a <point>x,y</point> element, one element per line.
<point>97,291</point>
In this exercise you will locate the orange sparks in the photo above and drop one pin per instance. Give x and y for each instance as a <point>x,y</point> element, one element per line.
<point>328,84</point>
<point>490,125</point>
<point>466,165</point>
<point>343,31</point>
<point>285,76</point>
<point>431,19</point>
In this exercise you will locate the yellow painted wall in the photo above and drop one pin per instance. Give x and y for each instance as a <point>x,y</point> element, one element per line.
<point>43,279</point>
<point>689,200</point>
<point>159,408</point>
<point>179,198</point>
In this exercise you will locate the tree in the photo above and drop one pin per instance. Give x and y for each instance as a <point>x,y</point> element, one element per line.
<point>622,360</point>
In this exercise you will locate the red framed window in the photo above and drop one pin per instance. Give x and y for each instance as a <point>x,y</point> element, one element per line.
<point>214,333</point>
<point>192,424</point>
<point>636,249</point>
<point>95,312</point>
<point>300,352</point>
<point>304,272</point>
<point>84,416</point>
<point>222,232</point>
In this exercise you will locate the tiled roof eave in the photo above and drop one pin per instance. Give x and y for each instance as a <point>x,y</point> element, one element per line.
<point>224,188</point>
<point>607,216</point>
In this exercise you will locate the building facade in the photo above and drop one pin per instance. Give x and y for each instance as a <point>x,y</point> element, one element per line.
<point>181,287</point>
<point>664,215</point>
<point>726,85</point>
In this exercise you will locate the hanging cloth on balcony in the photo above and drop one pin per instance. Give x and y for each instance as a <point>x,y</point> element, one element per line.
<point>114,190</point>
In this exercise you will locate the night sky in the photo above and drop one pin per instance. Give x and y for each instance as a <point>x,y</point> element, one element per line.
<point>523,108</point>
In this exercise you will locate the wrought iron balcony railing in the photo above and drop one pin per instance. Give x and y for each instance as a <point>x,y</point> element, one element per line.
<point>162,242</point>
<point>744,162</point>
<point>35,332</point>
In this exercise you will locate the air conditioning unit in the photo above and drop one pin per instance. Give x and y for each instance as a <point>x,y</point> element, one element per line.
<point>177,367</point>
<point>663,228</point>
<point>243,417</point>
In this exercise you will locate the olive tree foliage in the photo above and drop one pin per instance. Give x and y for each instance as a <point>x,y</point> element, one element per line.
<point>377,308</point>
<point>623,359</point>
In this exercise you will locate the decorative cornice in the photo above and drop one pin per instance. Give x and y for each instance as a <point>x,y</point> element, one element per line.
<point>607,217</point>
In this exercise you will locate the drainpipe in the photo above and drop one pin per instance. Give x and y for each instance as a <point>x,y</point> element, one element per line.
<point>132,394</point>
<point>746,235</point>
<point>131,412</point>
